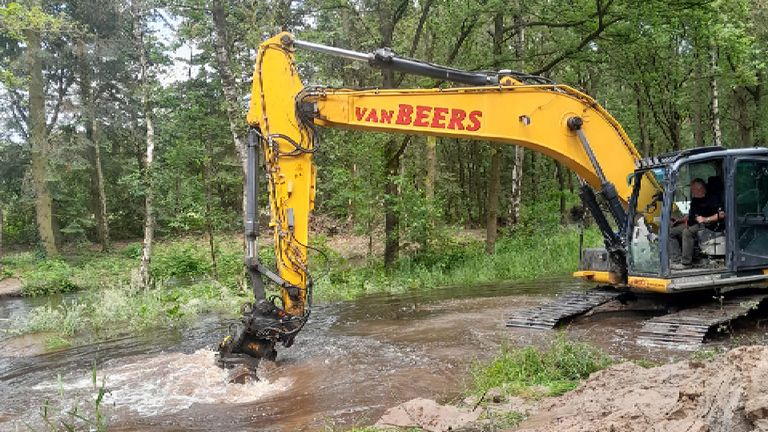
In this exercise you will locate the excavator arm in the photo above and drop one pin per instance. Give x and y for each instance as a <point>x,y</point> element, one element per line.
<point>505,107</point>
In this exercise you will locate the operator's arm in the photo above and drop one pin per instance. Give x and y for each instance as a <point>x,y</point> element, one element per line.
<point>552,119</point>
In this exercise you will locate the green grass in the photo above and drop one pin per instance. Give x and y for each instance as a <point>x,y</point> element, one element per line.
<point>536,372</point>
<point>645,363</point>
<point>41,276</point>
<point>506,419</point>
<point>115,311</point>
<point>706,354</point>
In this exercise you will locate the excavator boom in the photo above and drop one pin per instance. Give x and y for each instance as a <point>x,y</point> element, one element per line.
<point>505,107</point>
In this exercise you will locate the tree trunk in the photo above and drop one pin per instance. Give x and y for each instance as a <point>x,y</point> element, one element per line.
<point>744,121</point>
<point>93,152</point>
<point>645,144</point>
<point>391,214</point>
<point>494,176</point>
<point>492,213</point>
<point>516,191</point>
<point>228,83</point>
<point>560,170</point>
<point>2,227</point>
<point>717,134</point>
<point>431,177</point>
<point>388,19</point>
<point>229,88</point>
<point>38,137</point>
<point>699,109</point>
<point>534,168</point>
<point>149,155</point>
<point>350,200</point>
<point>206,174</point>
<point>759,126</point>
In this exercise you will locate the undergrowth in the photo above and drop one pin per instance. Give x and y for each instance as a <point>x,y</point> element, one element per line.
<point>116,311</point>
<point>526,254</point>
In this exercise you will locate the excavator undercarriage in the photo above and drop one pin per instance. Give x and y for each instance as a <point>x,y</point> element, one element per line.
<point>682,323</point>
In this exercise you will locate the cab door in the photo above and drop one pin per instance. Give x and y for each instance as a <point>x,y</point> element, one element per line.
<point>750,206</point>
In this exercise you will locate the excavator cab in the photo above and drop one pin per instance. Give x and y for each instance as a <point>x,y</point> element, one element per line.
<point>730,252</point>
<point>728,278</point>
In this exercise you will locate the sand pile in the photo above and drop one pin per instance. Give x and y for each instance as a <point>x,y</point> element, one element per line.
<point>728,394</point>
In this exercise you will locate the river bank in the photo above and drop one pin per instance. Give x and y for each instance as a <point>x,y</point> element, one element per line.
<point>722,393</point>
<point>189,281</point>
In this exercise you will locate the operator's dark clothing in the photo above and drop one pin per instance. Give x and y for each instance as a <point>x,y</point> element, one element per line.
<point>685,234</point>
<point>707,206</point>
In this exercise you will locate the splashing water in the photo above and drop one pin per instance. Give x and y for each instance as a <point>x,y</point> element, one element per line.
<point>171,382</point>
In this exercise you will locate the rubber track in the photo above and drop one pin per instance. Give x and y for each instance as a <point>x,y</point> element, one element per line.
<point>564,307</point>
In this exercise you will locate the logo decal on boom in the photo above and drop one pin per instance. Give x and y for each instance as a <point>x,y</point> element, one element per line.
<point>422,116</point>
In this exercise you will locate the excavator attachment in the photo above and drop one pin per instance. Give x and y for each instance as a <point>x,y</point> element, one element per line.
<point>262,326</point>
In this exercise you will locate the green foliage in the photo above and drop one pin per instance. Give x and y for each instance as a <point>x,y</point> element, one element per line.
<point>64,320</point>
<point>132,250</point>
<point>524,255</point>
<point>117,311</point>
<point>506,419</point>
<point>51,276</point>
<point>15,18</point>
<point>183,259</point>
<point>56,342</point>
<point>645,363</point>
<point>530,371</point>
<point>108,306</point>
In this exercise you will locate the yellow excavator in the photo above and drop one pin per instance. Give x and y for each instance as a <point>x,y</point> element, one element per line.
<point>635,202</point>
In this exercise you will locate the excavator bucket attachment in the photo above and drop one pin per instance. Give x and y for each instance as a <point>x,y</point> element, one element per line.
<point>241,353</point>
<point>254,339</point>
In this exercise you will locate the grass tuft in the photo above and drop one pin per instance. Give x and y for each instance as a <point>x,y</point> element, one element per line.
<point>75,413</point>
<point>533,372</point>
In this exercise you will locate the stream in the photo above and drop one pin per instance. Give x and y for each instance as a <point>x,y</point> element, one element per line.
<point>352,361</point>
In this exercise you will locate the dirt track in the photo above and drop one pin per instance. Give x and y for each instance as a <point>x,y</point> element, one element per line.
<point>10,287</point>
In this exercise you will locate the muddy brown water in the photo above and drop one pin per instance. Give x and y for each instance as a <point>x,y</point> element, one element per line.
<point>352,361</point>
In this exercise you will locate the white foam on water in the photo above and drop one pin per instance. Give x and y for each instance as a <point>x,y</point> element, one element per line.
<point>168,383</point>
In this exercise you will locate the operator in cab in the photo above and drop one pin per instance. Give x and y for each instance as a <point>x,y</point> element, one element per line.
<point>706,211</point>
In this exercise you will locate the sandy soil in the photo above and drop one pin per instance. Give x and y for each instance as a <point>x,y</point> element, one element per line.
<point>726,394</point>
